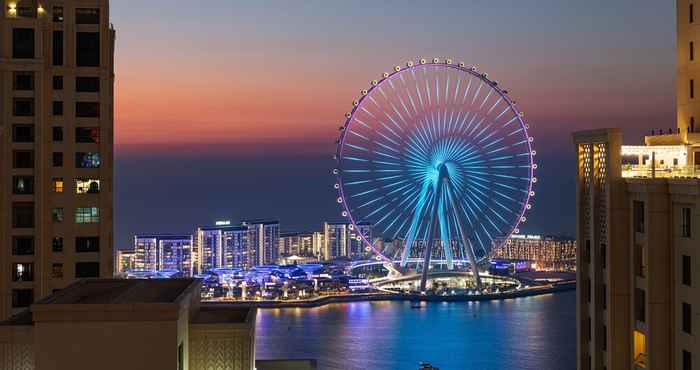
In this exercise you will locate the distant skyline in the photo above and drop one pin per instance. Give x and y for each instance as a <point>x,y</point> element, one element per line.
<point>229,111</point>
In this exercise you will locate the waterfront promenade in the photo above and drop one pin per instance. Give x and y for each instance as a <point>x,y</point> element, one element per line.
<point>382,296</point>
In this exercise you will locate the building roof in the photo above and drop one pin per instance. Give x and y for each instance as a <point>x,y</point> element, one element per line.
<point>212,313</point>
<point>164,236</point>
<point>223,228</point>
<point>258,221</point>
<point>120,291</point>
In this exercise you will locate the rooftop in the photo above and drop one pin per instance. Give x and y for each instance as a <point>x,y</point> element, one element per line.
<point>120,291</point>
<point>216,314</point>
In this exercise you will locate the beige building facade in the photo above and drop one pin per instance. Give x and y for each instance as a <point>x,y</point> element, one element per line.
<point>56,140</point>
<point>129,324</point>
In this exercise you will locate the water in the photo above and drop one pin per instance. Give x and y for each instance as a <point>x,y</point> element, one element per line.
<point>536,333</point>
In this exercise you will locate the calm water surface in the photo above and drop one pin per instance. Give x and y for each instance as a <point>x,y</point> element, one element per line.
<point>536,333</point>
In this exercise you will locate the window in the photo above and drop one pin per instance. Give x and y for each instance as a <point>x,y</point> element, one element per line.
<point>640,349</point>
<point>88,49</point>
<point>57,215</point>
<point>58,82</point>
<point>23,107</point>
<point>87,270</point>
<point>87,160</point>
<point>692,89</point>
<point>58,48</point>
<point>24,81</point>
<point>640,260</point>
<point>686,270</point>
<point>26,11</point>
<point>87,134</point>
<point>23,133</point>
<point>23,215</point>
<point>57,244</point>
<point>57,159</point>
<point>692,124</point>
<point>57,271</point>
<point>691,14</point>
<point>687,318</point>
<point>686,224</point>
<point>180,357</point>
<point>87,244</point>
<point>22,297</point>
<point>640,305</point>
<point>605,338</point>
<point>22,272</point>
<point>691,51</point>
<point>87,16</point>
<point>23,159</point>
<point>87,215</point>
<point>687,357</point>
<point>58,14</point>
<point>87,186</point>
<point>87,84</point>
<point>587,252</point>
<point>604,296</point>
<point>57,184</point>
<point>57,108</point>
<point>588,289</point>
<point>87,109</point>
<point>23,185</point>
<point>57,134</point>
<point>638,210</point>
<point>23,43</point>
<point>22,245</point>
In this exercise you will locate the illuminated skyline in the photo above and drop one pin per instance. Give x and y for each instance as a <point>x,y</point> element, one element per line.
<point>230,111</point>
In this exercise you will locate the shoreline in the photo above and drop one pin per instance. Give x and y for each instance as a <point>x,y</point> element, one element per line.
<point>373,297</point>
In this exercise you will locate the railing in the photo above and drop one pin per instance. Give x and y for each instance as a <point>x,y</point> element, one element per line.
<point>642,171</point>
<point>641,361</point>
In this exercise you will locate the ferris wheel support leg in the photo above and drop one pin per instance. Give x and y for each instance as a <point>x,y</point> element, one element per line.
<point>434,226</point>
<point>465,241</point>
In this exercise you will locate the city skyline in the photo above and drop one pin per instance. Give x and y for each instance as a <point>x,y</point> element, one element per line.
<point>297,97</point>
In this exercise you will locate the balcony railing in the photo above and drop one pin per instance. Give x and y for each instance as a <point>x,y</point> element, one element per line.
<point>643,171</point>
<point>641,361</point>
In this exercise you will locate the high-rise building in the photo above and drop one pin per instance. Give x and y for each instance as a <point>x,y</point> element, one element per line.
<point>223,246</point>
<point>637,209</point>
<point>318,244</point>
<point>263,237</point>
<point>56,140</point>
<point>342,240</point>
<point>156,252</point>
<point>296,244</point>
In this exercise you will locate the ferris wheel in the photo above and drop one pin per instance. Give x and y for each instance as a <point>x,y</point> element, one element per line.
<point>436,156</point>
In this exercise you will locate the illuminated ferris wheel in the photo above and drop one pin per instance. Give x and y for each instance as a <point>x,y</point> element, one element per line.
<point>436,155</point>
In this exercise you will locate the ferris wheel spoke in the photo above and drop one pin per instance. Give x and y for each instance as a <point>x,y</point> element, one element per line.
<point>478,90</point>
<point>486,99</point>
<point>502,113</point>
<point>500,99</point>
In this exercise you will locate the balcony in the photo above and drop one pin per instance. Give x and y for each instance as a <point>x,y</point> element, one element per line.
<point>659,161</point>
<point>649,172</point>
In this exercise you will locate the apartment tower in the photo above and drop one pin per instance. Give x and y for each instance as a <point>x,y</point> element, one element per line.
<point>56,140</point>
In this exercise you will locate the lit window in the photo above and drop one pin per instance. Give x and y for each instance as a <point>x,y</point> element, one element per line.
<point>57,271</point>
<point>57,184</point>
<point>87,134</point>
<point>640,349</point>
<point>87,160</point>
<point>87,186</point>
<point>57,215</point>
<point>88,215</point>
<point>57,244</point>
<point>22,272</point>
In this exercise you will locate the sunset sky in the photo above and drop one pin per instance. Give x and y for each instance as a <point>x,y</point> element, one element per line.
<point>229,109</point>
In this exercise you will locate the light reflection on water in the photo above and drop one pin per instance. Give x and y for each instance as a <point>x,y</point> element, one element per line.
<point>537,333</point>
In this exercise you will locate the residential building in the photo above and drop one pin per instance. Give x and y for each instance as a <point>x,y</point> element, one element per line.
<point>638,209</point>
<point>296,244</point>
<point>223,246</point>
<point>56,147</point>
<point>342,240</point>
<point>109,324</point>
<point>542,251</point>
<point>263,237</point>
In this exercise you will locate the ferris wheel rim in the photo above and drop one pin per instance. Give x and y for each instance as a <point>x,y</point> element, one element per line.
<point>411,66</point>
